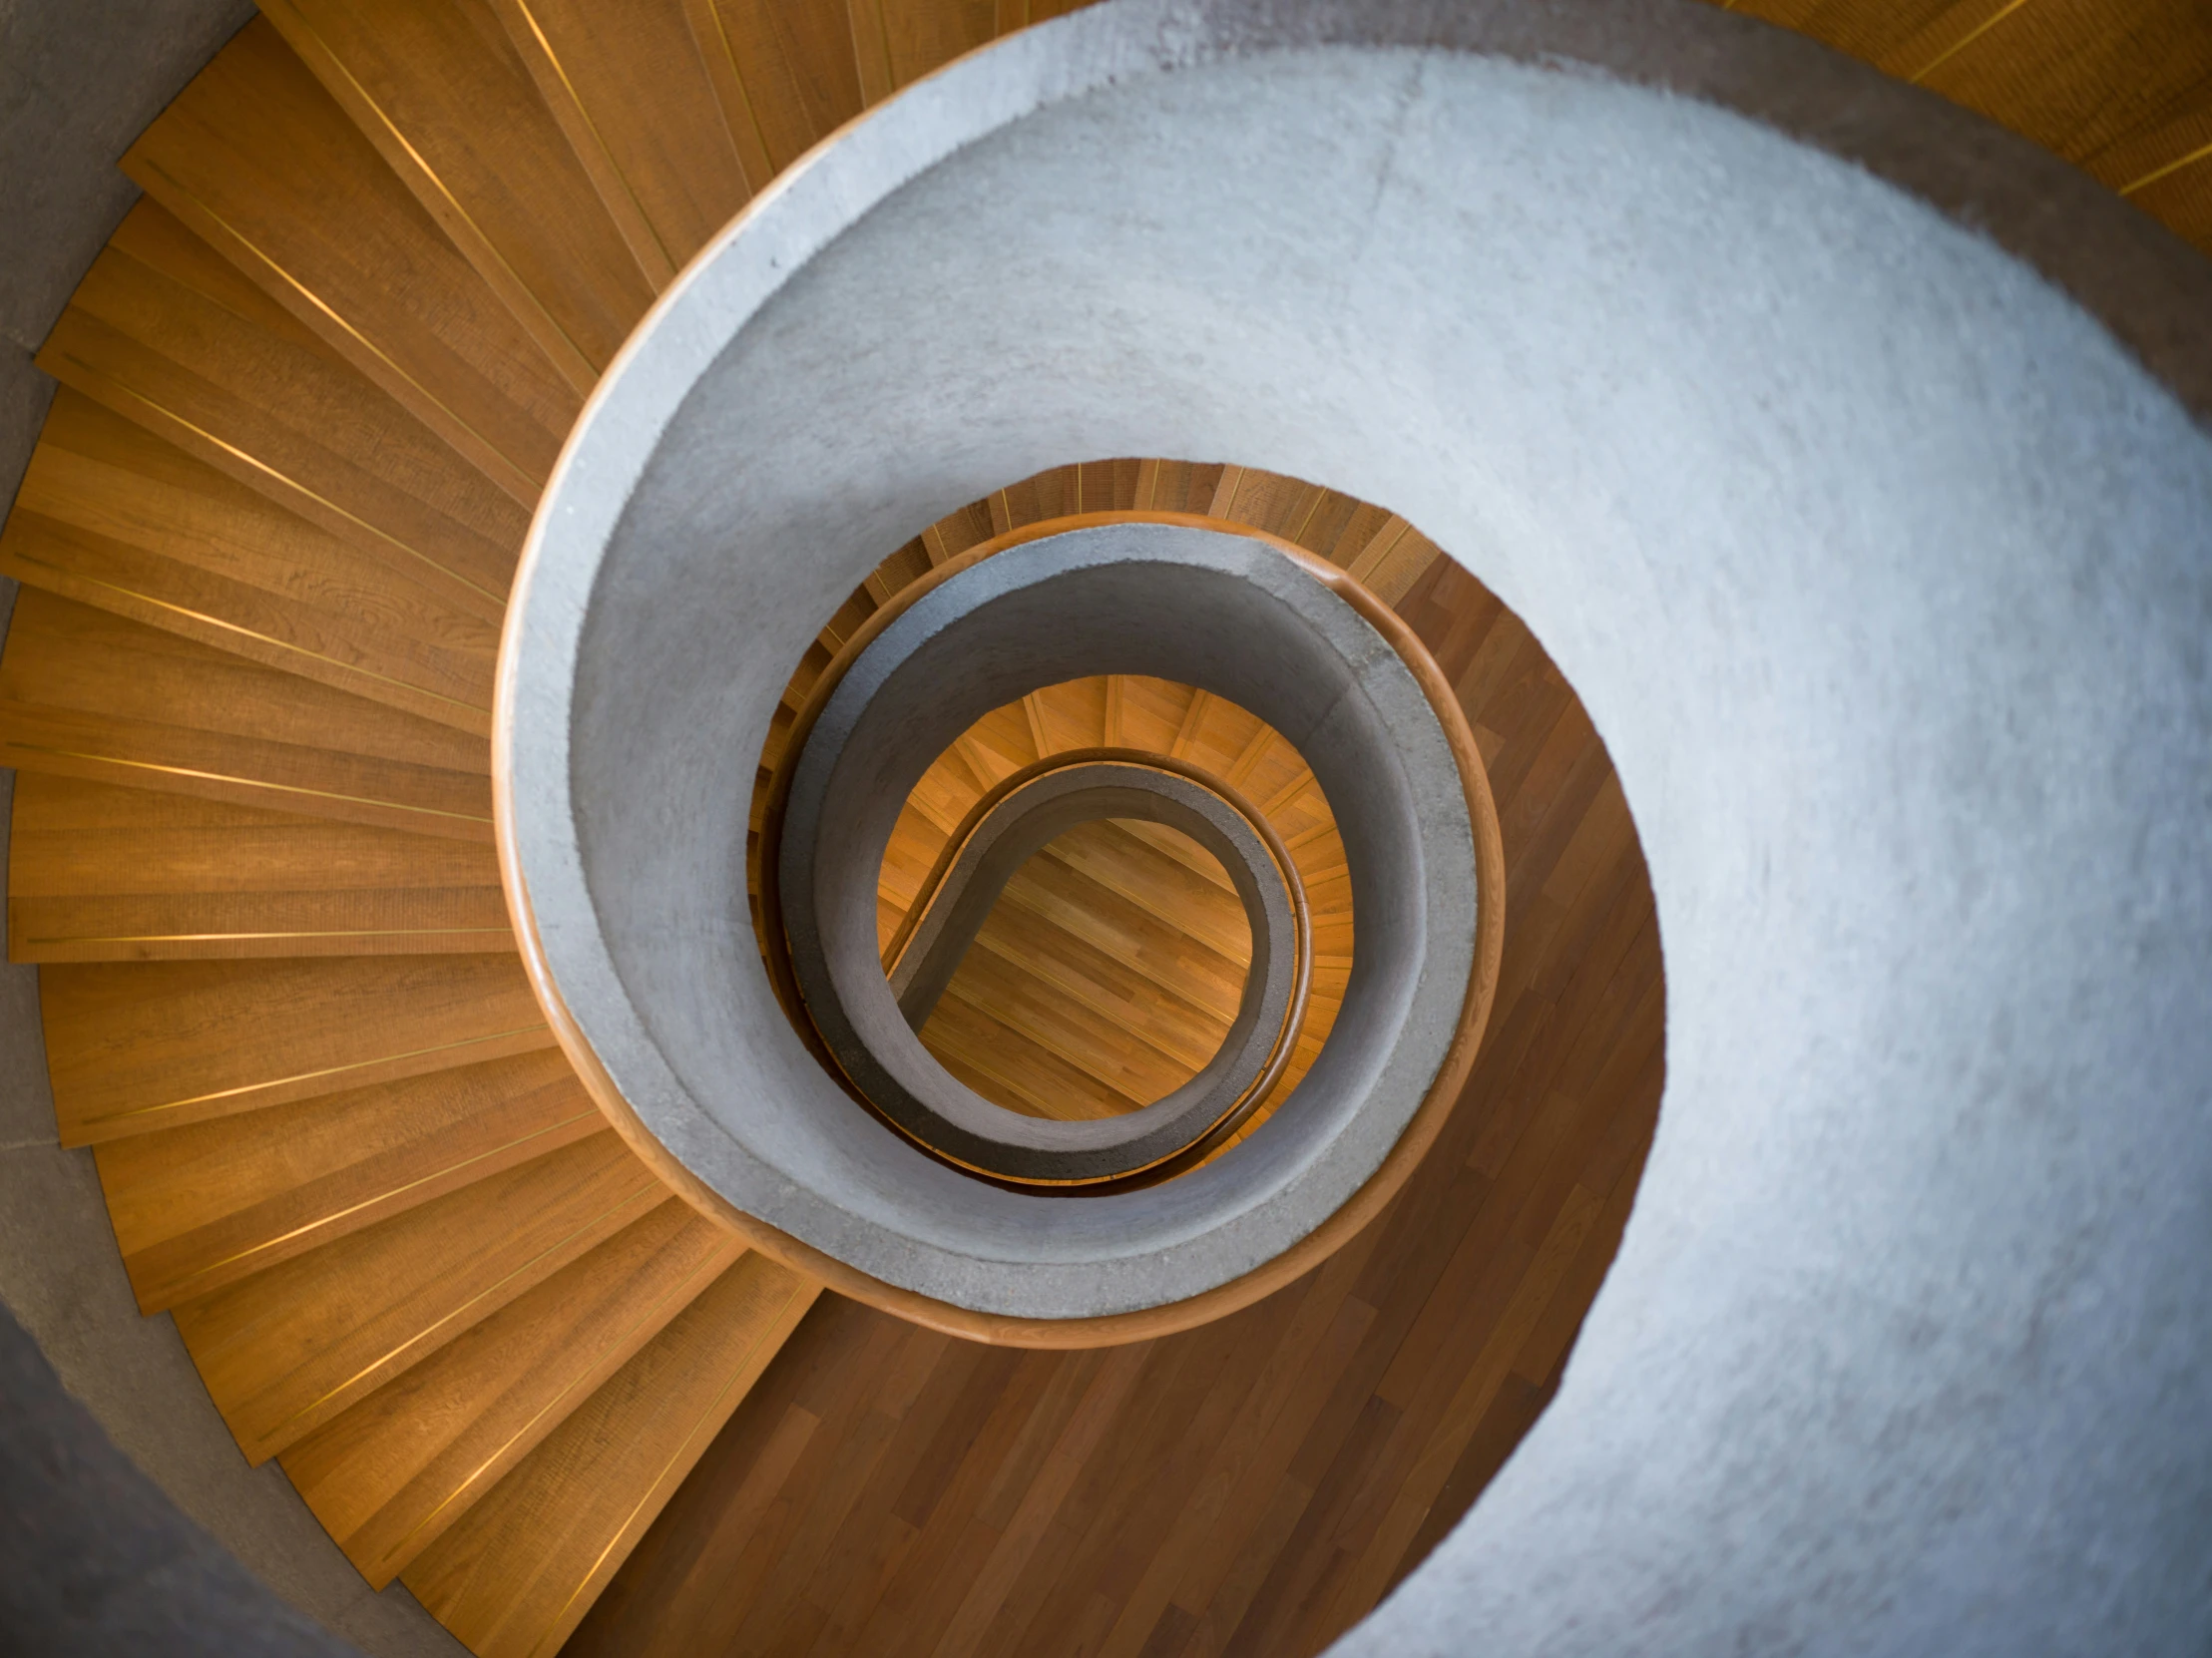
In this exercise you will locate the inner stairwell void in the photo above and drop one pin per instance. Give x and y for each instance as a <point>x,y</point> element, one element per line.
<point>545,1369</point>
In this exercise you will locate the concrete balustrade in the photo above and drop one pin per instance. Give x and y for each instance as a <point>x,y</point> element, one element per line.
<point>1851,459</point>
<point>1010,826</point>
<point>689,1034</point>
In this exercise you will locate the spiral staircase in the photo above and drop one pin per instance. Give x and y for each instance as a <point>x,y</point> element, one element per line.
<point>310,394</point>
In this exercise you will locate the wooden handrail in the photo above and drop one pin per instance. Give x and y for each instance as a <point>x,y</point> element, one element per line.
<point>1248,1100</point>
<point>1144,1323</point>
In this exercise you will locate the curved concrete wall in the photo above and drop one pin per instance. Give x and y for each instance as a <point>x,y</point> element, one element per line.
<point>79,82</point>
<point>1851,459</point>
<point>622,788</point>
<point>1256,1045</point>
<point>1876,546</point>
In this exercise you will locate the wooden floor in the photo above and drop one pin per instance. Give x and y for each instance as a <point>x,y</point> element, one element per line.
<point>1253,1486</point>
<point>309,394</point>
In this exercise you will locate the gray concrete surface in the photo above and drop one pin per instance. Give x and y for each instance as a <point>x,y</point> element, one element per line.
<point>1252,1052</point>
<point>634,808</point>
<point>79,80</point>
<point>98,1561</point>
<point>1852,460</point>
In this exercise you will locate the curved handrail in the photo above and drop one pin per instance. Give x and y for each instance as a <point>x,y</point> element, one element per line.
<point>1239,1108</point>
<point>1309,1251</point>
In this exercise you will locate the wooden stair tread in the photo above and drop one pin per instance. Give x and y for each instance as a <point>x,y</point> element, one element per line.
<point>133,1047</point>
<point>1013,1069</point>
<point>633,94</point>
<point>1164,888</point>
<point>167,333</point>
<point>111,517</point>
<point>288,1349</point>
<point>265,167</point>
<point>205,1205</point>
<point>436,85</point>
<point>89,693</point>
<point>783,71</point>
<point>388,1476</point>
<point>1121,1050</point>
<point>516,1573</point>
<point>100,873</point>
<point>897,42</point>
<point>1202,965</point>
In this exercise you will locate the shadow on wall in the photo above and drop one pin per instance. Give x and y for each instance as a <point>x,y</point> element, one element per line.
<point>98,1559</point>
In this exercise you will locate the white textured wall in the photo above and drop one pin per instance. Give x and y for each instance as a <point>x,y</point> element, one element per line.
<point>1852,476</point>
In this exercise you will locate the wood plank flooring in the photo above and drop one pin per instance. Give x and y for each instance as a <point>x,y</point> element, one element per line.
<point>1253,1486</point>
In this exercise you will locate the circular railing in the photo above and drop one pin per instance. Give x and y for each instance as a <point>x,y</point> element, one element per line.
<point>1218,1211</point>
<point>1013,821</point>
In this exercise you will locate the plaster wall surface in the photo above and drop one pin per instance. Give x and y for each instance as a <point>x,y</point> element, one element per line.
<point>1851,459</point>
<point>79,81</point>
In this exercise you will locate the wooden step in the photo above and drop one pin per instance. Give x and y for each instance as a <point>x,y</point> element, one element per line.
<point>134,1047</point>
<point>437,88</point>
<point>897,42</point>
<point>1379,548</point>
<point>632,91</point>
<point>1194,958</point>
<point>783,72</point>
<point>1012,1067</point>
<point>88,694</point>
<point>198,1207</point>
<point>284,1351</point>
<point>262,164</point>
<point>389,1475</point>
<point>105,874</point>
<point>1126,1048</point>
<point>110,516</point>
<point>1105,976</point>
<point>165,333</point>
<point>515,1574</point>
<point>1166,889</point>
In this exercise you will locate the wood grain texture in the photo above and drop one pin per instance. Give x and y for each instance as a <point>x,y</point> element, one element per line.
<point>110,516</point>
<point>514,1576</point>
<point>390,1475</point>
<point>897,42</point>
<point>286,1349</point>
<point>438,88</point>
<point>632,92</point>
<point>88,694</point>
<point>105,874</point>
<point>1074,961</point>
<point>264,165</point>
<point>1258,1481</point>
<point>167,333</point>
<point>783,71</point>
<point>202,1206</point>
<point>134,1047</point>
